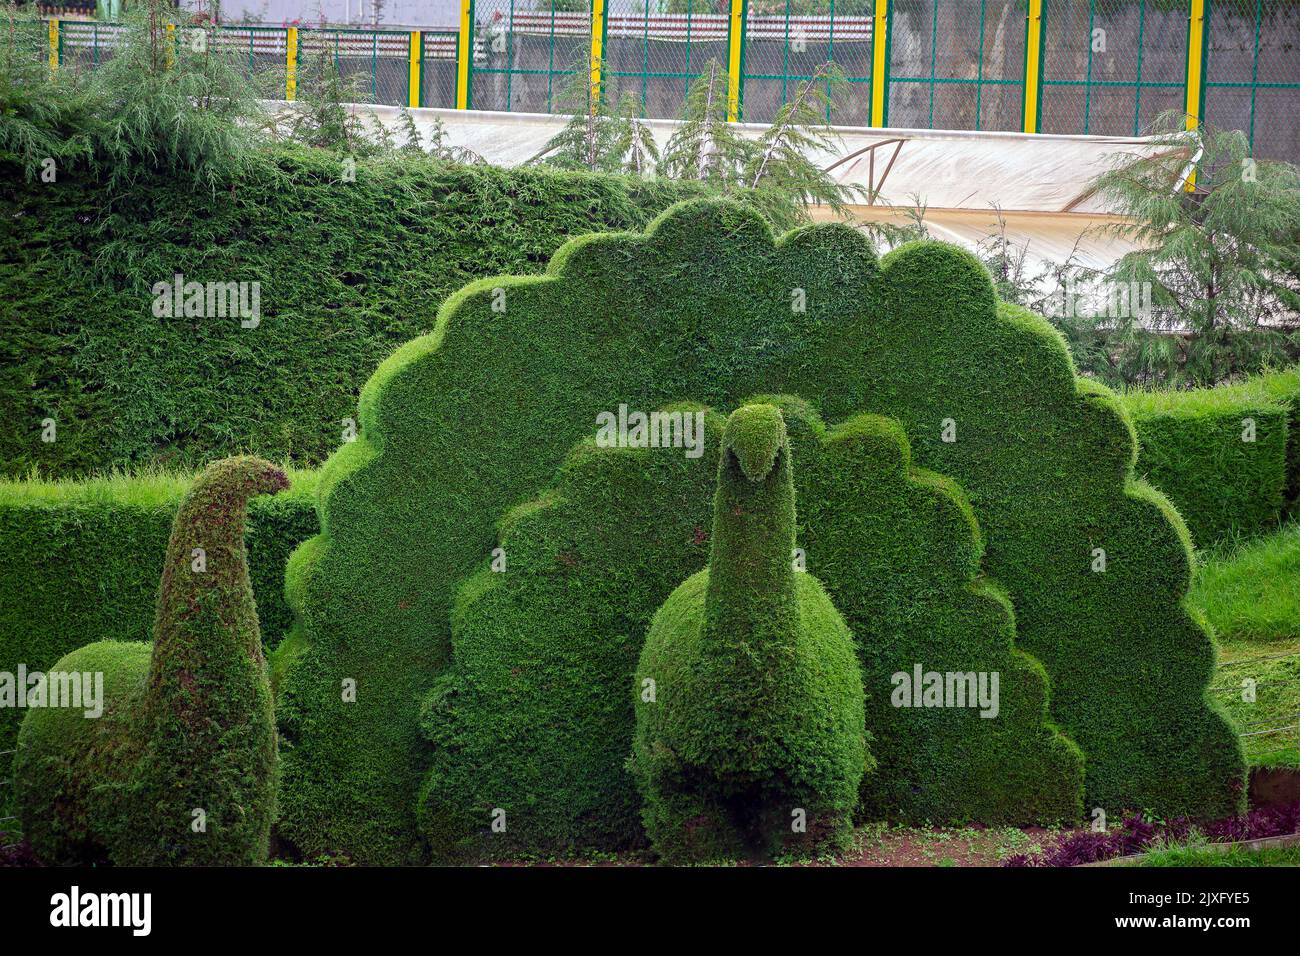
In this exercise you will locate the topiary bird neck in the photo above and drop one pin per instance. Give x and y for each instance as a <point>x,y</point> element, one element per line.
<point>751,599</point>
<point>206,616</point>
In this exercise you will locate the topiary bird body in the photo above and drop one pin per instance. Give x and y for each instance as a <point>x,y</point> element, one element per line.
<point>750,734</point>
<point>180,767</point>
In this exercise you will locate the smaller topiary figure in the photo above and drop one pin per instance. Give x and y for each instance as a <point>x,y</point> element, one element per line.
<point>180,766</point>
<point>750,737</point>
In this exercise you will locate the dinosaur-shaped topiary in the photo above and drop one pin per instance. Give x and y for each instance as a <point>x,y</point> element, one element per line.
<point>180,767</point>
<point>750,734</point>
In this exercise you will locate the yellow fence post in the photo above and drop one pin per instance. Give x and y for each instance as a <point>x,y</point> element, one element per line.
<point>413,83</point>
<point>880,64</point>
<point>54,46</point>
<point>597,47</point>
<point>1196,43</point>
<point>735,58</point>
<point>1033,103</point>
<point>290,63</point>
<point>464,54</point>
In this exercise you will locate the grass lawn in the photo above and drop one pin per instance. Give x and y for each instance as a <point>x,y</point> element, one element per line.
<point>1203,856</point>
<point>1250,592</point>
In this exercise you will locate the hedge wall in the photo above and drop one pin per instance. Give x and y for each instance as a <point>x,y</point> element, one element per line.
<point>460,425</point>
<point>348,271</point>
<point>81,561</point>
<point>1193,448</point>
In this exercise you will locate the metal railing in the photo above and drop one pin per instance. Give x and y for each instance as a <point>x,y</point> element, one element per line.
<point>1055,66</point>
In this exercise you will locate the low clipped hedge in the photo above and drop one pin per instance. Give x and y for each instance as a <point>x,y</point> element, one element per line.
<point>1194,449</point>
<point>347,272</point>
<point>80,562</point>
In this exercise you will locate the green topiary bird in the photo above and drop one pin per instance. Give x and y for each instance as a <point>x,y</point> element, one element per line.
<point>180,766</point>
<point>750,737</point>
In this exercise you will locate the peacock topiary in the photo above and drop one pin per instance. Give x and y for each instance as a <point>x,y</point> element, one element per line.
<point>179,768</point>
<point>750,737</point>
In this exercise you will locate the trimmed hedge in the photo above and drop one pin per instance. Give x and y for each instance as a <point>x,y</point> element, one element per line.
<point>749,698</point>
<point>348,271</point>
<point>461,424</point>
<point>190,727</point>
<point>80,561</point>
<point>1194,449</point>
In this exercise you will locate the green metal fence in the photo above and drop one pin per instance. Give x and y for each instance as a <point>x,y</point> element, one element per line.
<point>1105,67</point>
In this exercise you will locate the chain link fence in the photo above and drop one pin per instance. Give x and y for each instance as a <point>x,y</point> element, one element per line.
<point>1111,67</point>
<point>374,65</point>
<point>1253,73</point>
<point>957,64</point>
<point>1108,67</point>
<point>526,53</point>
<point>653,56</point>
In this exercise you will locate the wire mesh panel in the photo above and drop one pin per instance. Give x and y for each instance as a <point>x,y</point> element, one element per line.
<point>375,67</point>
<point>652,51</point>
<point>438,68</point>
<point>85,45</point>
<point>261,51</point>
<point>1112,66</point>
<point>787,41</point>
<point>526,52</point>
<point>957,64</point>
<point>1253,73</point>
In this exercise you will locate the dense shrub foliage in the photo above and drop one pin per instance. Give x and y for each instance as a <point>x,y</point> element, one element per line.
<point>347,271</point>
<point>1226,456</point>
<point>180,768</point>
<point>80,561</point>
<point>460,425</point>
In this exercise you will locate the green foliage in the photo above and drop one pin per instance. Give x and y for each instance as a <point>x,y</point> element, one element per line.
<point>189,724</point>
<point>1251,593</point>
<point>348,271</point>
<point>81,560</point>
<point>42,115</point>
<point>1198,855</point>
<point>600,136</point>
<point>320,116</point>
<point>899,549</point>
<point>1223,263</point>
<point>773,172</point>
<point>1220,454</point>
<point>755,722</point>
<point>533,714</point>
<point>460,425</point>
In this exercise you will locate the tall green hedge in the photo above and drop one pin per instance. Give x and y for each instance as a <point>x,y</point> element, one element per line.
<point>460,425</point>
<point>80,562</point>
<point>348,271</point>
<point>1227,457</point>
